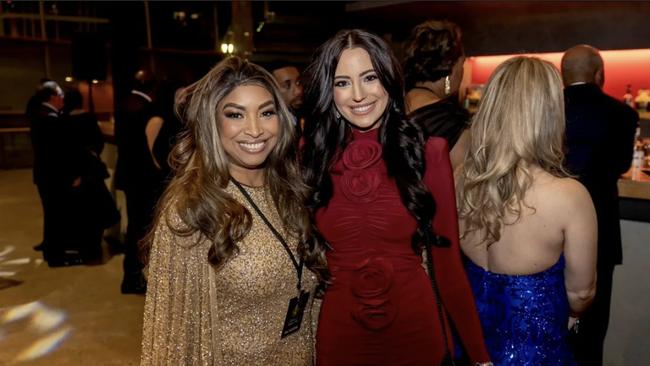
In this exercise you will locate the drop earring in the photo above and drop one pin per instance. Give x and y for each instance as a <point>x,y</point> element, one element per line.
<point>447,85</point>
<point>337,115</point>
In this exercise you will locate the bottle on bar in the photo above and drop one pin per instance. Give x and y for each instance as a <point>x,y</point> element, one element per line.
<point>628,98</point>
<point>638,157</point>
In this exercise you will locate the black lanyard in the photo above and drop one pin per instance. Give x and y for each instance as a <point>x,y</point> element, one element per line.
<point>297,266</point>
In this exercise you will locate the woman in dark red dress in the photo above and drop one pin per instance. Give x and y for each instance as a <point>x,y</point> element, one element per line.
<point>376,187</point>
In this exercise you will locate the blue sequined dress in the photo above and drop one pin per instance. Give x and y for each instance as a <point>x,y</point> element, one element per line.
<point>524,317</point>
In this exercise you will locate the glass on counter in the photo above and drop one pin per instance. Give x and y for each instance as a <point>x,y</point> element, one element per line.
<point>640,157</point>
<point>642,99</point>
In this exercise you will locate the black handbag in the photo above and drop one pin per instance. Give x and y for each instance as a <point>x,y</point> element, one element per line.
<point>439,241</point>
<point>97,205</point>
<point>97,202</point>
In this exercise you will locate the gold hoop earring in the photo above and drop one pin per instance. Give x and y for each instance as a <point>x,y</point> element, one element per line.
<point>447,85</point>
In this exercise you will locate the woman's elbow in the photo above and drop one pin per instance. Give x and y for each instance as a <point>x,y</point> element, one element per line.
<point>587,295</point>
<point>580,300</point>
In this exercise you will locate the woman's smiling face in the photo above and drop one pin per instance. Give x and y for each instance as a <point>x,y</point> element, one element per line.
<point>358,94</point>
<point>249,129</point>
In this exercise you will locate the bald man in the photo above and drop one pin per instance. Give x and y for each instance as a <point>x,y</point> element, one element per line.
<point>600,136</point>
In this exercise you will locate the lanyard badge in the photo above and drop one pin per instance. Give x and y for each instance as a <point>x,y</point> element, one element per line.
<point>298,304</point>
<point>295,312</point>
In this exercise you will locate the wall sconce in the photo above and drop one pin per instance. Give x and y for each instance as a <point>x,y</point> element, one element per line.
<point>69,79</point>
<point>95,81</point>
<point>228,48</point>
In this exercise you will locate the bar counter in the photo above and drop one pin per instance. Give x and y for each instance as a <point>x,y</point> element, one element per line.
<point>634,194</point>
<point>635,184</point>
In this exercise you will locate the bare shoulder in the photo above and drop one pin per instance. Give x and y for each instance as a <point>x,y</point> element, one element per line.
<point>571,188</point>
<point>567,193</point>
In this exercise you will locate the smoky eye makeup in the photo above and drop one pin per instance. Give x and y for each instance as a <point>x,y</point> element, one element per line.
<point>340,83</point>
<point>232,113</point>
<point>269,112</point>
<point>370,77</point>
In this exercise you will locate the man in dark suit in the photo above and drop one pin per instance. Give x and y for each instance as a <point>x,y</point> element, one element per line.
<point>600,136</point>
<point>55,174</point>
<point>136,175</point>
<point>33,106</point>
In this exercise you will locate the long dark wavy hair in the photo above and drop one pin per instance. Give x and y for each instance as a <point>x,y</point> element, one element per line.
<point>197,192</point>
<point>326,136</point>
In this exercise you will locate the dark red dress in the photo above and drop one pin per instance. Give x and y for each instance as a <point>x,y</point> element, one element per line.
<point>380,309</point>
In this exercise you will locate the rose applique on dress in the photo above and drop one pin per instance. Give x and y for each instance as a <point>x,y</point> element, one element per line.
<point>361,177</point>
<point>361,154</point>
<point>371,284</point>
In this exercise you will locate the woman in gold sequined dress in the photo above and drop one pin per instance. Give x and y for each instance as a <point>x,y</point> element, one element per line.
<point>228,278</point>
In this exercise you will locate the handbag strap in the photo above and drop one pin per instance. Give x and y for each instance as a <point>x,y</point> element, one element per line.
<point>432,278</point>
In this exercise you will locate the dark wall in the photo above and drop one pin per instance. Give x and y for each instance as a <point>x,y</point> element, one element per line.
<point>126,35</point>
<point>556,27</point>
<point>491,28</point>
<point>21,68</point>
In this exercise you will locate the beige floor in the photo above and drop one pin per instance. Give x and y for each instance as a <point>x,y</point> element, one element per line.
<point>57,316</point>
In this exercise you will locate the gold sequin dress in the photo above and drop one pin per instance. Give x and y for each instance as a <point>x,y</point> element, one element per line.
<point>234,316</point>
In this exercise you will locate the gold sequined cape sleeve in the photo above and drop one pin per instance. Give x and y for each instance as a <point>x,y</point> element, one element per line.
<point>178,309</point>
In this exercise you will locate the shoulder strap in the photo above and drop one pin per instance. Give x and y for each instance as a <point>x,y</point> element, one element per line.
<point>432,277</point>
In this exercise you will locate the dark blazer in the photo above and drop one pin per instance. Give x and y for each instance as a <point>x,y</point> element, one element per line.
<point>167,137</point>
<point>134,167</point>
<point>54,162</point>
<point>86,131</point>
<point>444,118</point>
<point>600,139</point>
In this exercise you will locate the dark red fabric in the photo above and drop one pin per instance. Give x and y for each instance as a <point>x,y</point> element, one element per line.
<point>380,309</point>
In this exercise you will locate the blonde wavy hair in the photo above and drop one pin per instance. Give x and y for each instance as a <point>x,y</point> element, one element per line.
<point>519,124</point>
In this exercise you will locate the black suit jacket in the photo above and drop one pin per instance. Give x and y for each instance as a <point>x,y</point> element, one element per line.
<point>54,152</point>
<point>600,139</point>
<point>134,167</point>
<point>89,143</point>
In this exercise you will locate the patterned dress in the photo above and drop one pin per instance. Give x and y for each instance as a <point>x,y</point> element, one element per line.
<point>524,317</point>
<point>195,315</point>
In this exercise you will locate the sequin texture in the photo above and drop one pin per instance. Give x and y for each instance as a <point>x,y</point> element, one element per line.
<point>242,322</point>
<point>524,317</point>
